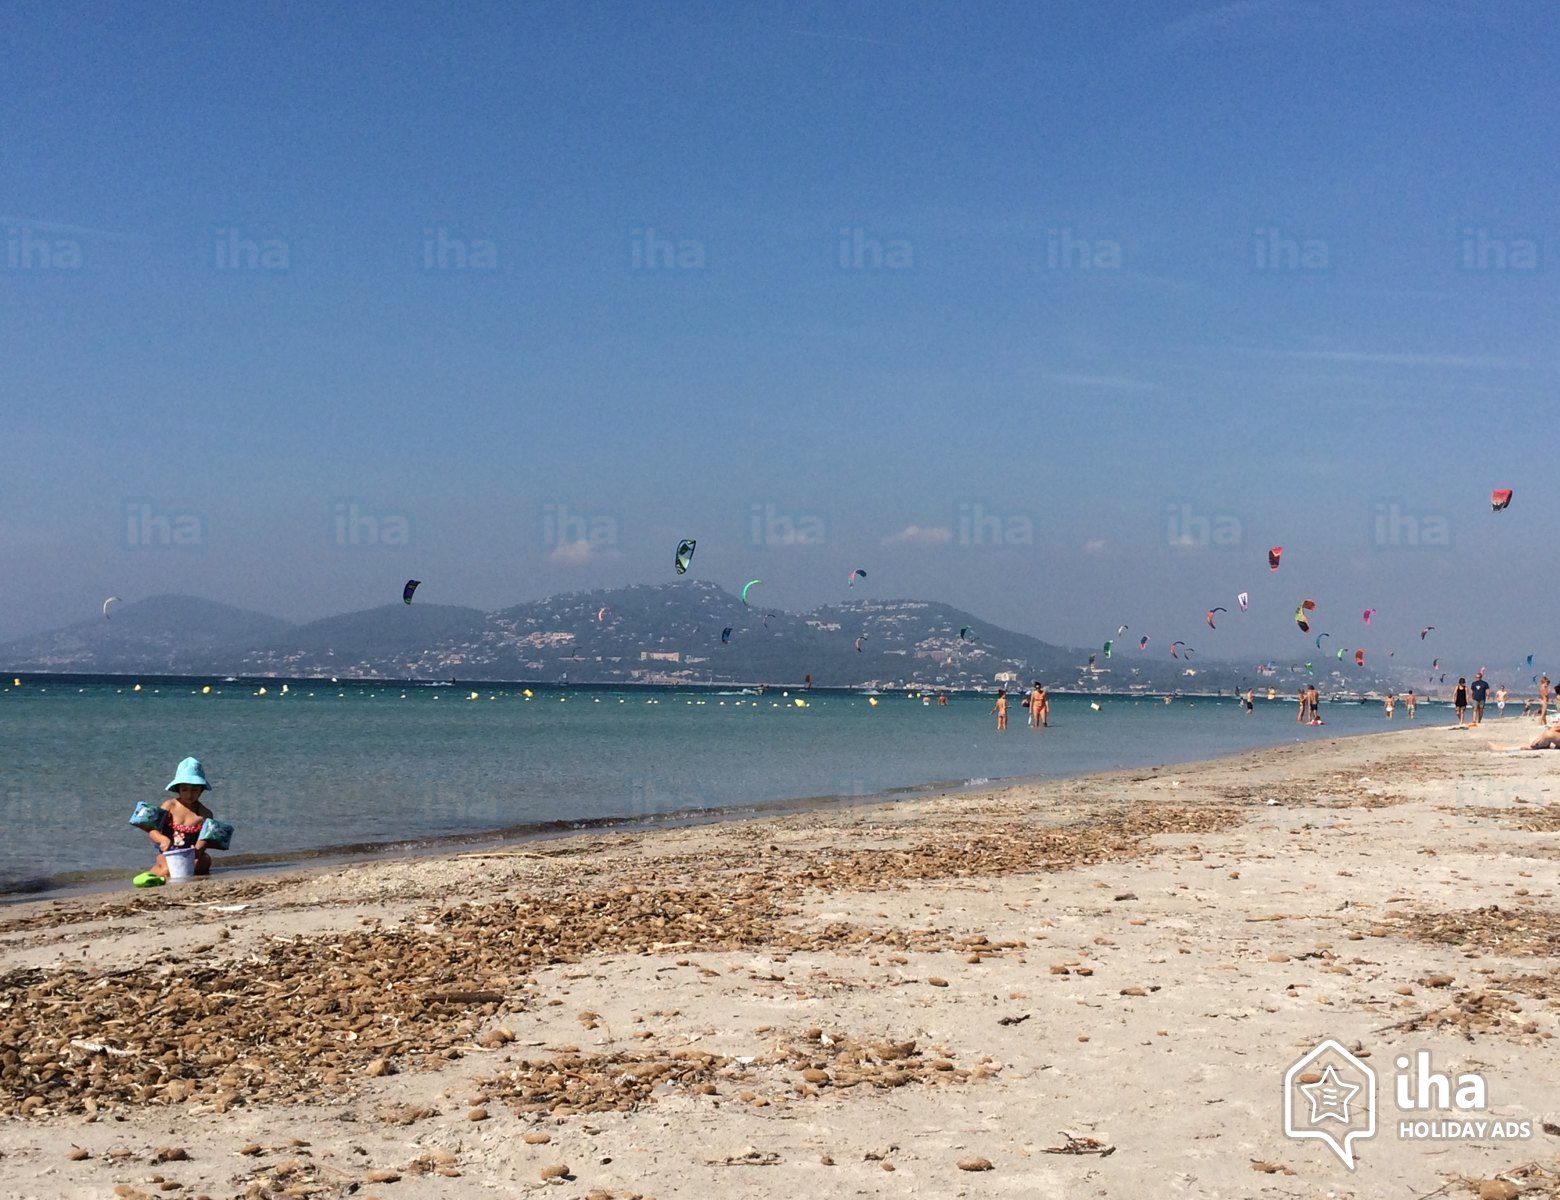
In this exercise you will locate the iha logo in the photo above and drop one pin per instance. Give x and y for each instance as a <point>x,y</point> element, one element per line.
<point>28,250</point>
<point>1419,1089</point>
<point>233,250</point>
<point>769,524</point>
<point>355,527</point>
<point>149,527</point>
<point>1330,1096</point>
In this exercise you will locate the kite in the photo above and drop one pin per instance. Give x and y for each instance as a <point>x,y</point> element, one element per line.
<point>1342,650</point>
<point>1500,498</point>
<point>1305,607</point>
<point>601,614</point>
<point>406,592</point>
<point>1243,599</point>
<point>1368,614</point>
<point>1120,629</point>
<point>1108,645</point>
<point>1211,611</point>
<point>748,584</point>
<point>1091,659</point>
<point>1319,638</point>
<point>965,631</point>
<point>850,580</point>
<point>1143,642</point>
<point>1530,660</point>
<point>1173,645</point>
<point>117,600</point>
<point>1359,658</point>
<point>1276,553</point>
<point>1436,665</point>
<point>859,640</point>
<point>685,549</point>
<point>1424,631</point>
<point>725,636</point>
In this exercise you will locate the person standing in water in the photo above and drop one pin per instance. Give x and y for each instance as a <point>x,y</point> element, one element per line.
<point>1250,700</point>
<point>1305,703</point>
<point>1313,699</point>
<point>1039,708</point>
<point>1000,708</point>
<point>1389,704</point>
<point>1408,702</point>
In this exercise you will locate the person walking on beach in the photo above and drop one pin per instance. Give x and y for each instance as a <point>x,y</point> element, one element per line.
<point>1409,702</point>
<point>1460,699</point>
<point>1479,689</point>
<point>1500,700</point>
<point>1543,698</point>
<point>1000,708</point>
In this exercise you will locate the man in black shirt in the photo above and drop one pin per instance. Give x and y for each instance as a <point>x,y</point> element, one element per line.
<point>1479,689</point>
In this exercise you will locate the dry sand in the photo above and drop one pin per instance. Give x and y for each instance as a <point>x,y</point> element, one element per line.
<point>1086,988</point>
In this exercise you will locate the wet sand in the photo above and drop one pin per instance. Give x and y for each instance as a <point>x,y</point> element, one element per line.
<point>1095,986</point>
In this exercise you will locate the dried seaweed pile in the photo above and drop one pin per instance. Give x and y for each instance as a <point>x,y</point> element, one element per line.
<point>306,1017</point>
<point>1517,932</point>
<point>801,1065</point>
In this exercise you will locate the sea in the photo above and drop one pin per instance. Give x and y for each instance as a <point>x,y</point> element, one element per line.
<point>311,770</point>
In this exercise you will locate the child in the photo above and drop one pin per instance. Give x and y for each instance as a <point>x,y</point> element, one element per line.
<point>185,816</point>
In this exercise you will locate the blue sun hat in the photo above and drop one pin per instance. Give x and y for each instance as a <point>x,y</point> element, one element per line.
<point>190,771</point>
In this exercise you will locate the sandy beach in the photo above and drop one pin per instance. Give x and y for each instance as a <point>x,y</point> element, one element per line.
<point>1086,988</point>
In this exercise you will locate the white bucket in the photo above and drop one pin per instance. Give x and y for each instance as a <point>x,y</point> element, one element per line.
<point>181,865</point>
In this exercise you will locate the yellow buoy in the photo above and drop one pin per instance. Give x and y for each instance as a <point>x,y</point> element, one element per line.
<point>261,692</point>
<point>206,691</point>
<point>799,702</point>
<point>136,688</point>
<point>872,700</point>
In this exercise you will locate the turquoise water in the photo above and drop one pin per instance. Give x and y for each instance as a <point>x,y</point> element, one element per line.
<point>328,767</point>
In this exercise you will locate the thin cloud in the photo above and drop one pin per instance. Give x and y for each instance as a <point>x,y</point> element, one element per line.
<point>920,535</point>
<point>1399,359</point>
<point>846,37</point>
<point>580,554</point>
<point>1112,383</point>
<point>1222,21</point>
<point>28,223</point>
<point>1094,546</point>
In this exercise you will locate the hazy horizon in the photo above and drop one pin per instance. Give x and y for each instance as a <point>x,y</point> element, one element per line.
<point>1061,315</point>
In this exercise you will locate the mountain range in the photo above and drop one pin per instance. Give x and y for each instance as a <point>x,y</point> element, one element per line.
<point>651,634</point>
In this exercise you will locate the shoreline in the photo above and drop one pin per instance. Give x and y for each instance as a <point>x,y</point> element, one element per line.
<point>67,885</point>
<point>1132,958</point>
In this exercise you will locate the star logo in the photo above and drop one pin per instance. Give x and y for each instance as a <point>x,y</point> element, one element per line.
<point>1330,1095</point>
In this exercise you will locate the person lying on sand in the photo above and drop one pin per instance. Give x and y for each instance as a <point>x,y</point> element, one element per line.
<point>1549,739</point>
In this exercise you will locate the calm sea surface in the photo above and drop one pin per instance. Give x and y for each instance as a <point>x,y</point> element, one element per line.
<point>326,767</point>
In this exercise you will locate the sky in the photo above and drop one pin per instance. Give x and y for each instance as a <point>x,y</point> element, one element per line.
<point>1062,313</point>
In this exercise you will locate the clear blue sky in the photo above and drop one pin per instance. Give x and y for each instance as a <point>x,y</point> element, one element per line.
<point>1027,307</point>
